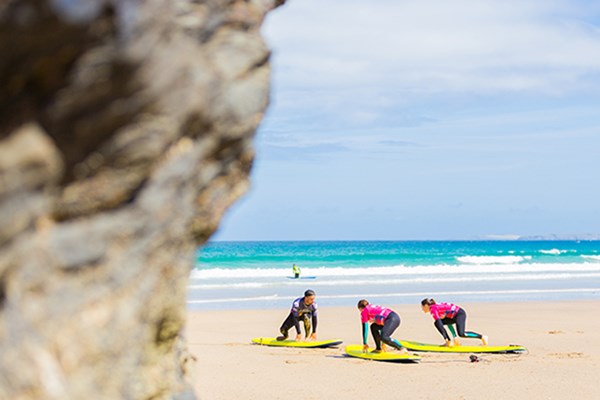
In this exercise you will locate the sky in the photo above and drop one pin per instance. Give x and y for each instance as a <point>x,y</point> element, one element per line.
<point>427,120</point>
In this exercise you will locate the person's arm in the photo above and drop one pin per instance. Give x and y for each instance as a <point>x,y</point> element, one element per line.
<point>314,323</point>
<point>440,327</point>
<point>364,320</point>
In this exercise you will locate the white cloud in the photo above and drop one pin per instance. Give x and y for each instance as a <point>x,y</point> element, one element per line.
<point>436,45</point>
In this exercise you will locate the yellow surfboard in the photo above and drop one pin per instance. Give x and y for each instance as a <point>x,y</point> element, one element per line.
<point>356,350</point>
<point>415,346</point>
<point>269,341</point>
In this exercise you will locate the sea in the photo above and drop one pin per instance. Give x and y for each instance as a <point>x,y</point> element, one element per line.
<point>258,275</point>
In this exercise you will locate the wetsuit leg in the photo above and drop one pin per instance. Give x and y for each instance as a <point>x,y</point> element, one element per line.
<point>392,322</point>
<point>452,330</point>
<point>439,325</point>
<point>306,318</point>
<point>450,323</point>
<point>287,325</point>
<point>461,323</point>
<point>376,332</point>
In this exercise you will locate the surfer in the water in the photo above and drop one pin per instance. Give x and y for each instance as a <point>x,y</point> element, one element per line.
<point>384,322</point>
<point>296,271</point>
<point>305,309</point>
<point>450,314</point>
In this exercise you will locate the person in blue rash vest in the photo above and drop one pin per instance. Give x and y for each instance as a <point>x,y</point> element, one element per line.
<point>305,309</point>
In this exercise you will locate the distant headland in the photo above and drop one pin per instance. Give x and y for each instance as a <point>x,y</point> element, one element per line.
<point>549,236</point>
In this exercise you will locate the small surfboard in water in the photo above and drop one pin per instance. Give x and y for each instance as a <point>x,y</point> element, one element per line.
<point>416,346</point>
<point>302,277</point>
<point>356,350</point>
<point>269,341</point>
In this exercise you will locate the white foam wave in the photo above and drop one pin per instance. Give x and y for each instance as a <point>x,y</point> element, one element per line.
<point>554,252</point>
<point>257,298</point>
<point>466,292</point>
<point>486,260</point>
<point>221,273</point>
<point>402,281</point>
<point>404,294</point>
<point>595,258</point>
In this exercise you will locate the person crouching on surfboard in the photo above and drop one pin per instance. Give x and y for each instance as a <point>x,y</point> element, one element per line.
<point>305,309</point>
<point>384,322</point>
<point>450,314</point>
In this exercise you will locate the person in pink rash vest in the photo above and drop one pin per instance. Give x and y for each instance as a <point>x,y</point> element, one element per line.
<point>384,322</point>
<point>450,314</point>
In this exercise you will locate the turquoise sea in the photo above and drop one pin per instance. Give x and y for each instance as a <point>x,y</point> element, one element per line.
<point>254,275</point>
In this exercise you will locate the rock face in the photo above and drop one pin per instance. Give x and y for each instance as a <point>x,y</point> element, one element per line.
<point>126,131</point>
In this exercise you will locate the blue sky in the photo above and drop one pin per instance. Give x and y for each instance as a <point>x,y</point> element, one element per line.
<point>395,119</point>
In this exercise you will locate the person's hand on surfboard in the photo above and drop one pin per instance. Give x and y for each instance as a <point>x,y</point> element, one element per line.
<point>456,342</point>
<point>365,348</point>
<point>313,336</point>
<point>449,343</point>
<point>298,337</point>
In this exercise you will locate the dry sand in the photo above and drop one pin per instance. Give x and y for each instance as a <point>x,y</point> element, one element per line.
<point>563,339</point>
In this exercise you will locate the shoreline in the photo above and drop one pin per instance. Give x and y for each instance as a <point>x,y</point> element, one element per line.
<point>560,335</point>
<point>220,310</point>
<point>528,295</point>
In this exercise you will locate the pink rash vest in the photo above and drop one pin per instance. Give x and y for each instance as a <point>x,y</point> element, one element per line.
<point>374,313</point>
<point>443,310</point>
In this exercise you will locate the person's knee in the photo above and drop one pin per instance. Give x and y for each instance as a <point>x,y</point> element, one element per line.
<point>386,336</point>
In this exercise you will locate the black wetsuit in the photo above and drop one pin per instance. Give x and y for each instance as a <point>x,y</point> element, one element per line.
<point>460,319</point>
<point>383,333</point>
<point>300,311</point>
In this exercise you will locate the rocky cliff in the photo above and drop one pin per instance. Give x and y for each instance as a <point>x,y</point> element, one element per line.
<point>126,131</point>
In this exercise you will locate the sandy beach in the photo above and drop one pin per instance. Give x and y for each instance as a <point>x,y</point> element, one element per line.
<point>562,362</point>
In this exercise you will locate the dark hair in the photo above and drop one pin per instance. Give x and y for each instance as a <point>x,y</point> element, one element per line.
<point>309,293</point>
<point>362,304</point>
<point>427,301</point>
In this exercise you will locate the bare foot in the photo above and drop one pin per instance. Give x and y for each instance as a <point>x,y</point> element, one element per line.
<point>484,340</point>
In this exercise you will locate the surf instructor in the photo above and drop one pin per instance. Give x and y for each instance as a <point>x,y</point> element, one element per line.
<point>305,309</point>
